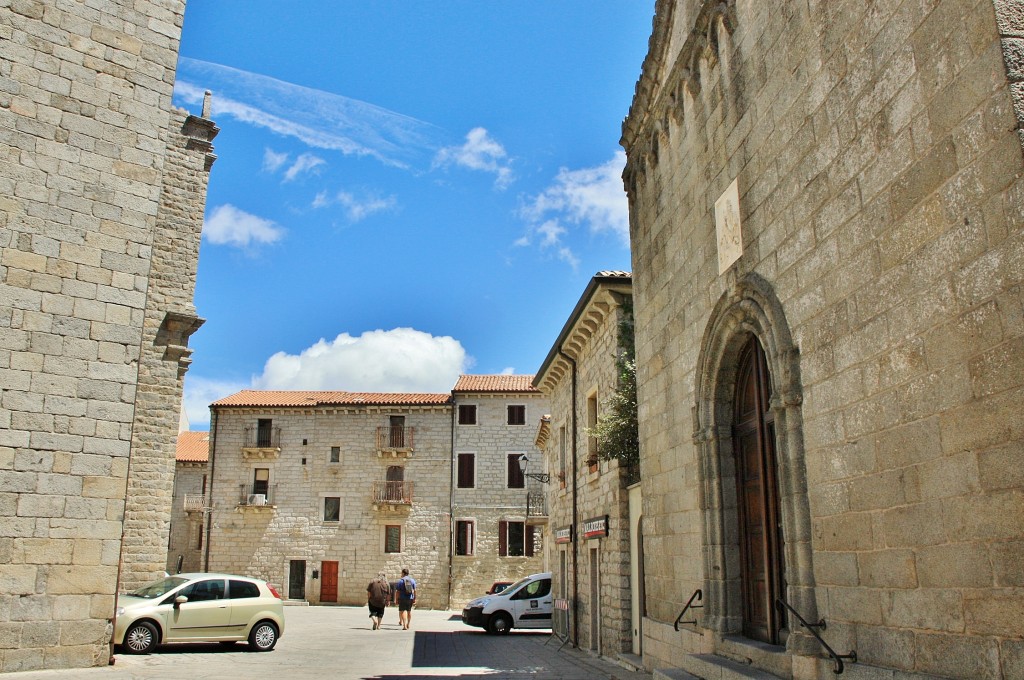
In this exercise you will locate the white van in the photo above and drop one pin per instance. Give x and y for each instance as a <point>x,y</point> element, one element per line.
<point>524,604</point>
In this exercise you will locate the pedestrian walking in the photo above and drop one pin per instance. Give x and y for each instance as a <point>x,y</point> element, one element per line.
<point>405,595</point>
<point>378,592</point>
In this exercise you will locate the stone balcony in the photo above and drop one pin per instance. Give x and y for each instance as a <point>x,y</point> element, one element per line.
<point>389,496</point>
<point>396,441</point>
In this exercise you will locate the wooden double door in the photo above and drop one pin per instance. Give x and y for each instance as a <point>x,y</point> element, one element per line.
<point>762,571</point>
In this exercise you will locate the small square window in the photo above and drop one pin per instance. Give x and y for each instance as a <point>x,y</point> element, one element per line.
<point>467,414</point>
<point>332,508</point>
<point>517,414</point>
<point>393,538</point>
<point>335,454</point>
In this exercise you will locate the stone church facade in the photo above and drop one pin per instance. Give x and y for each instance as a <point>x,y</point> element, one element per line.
<point>826,210</point>
<point>102,192</point>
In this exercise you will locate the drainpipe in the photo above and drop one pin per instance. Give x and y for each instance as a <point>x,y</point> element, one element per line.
<point>451,506</point>
<point>575,513</point>
<point>209,513</point>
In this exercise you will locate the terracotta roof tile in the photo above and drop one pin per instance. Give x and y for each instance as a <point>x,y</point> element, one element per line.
<point>495,383</point>
<point>193,447</point>
<point>328,398</point>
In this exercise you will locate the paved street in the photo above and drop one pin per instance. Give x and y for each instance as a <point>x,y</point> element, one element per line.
<point>338,642</point>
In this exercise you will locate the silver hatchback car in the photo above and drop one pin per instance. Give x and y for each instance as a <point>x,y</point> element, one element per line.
<point>199,608</point>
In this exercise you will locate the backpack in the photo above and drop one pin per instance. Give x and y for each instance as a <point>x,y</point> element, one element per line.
<point>408,587</point>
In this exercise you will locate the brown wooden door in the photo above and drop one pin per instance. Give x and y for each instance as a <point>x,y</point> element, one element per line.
<point>761,574</point>
<point>328,581</point>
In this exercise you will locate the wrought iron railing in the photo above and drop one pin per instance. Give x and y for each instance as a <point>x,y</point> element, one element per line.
<point>255,495</point>
<point>392,493</point>
<point>194,502</point>
<point>395,437</point>
<point>698,595</point>
<point>812,627</point>
<point>536,504</point>
<point>262,437</point>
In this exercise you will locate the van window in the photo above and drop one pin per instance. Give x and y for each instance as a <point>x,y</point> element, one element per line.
<point>538,588</point>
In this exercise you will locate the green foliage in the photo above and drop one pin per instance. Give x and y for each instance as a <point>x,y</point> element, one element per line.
<point>617,432</point>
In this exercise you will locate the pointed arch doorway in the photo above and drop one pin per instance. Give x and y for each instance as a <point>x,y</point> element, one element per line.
<point>762,568</point>
<point>756,527</point>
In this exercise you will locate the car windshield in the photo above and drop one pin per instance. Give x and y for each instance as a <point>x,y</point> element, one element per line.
<point>159,588</point>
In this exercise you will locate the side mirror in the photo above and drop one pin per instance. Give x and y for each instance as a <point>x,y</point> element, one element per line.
<point>180,600</point>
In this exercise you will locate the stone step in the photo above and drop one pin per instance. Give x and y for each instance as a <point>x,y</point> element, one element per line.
<point>714,667</point>
<point>630,662</point>
<point>673,674</point>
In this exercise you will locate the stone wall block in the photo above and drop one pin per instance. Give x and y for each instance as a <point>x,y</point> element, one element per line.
<point>958,656</point>
<point>888,569</point>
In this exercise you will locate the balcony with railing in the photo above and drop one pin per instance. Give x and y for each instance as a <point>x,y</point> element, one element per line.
<point>261,442</point>
<point>256,496</point>
<point>392,495</point>
<point>536,503</point>
<point>194,502</point>
<point>395,440</point>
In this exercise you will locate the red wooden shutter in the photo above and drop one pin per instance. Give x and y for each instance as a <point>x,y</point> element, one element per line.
<point>503,538</point>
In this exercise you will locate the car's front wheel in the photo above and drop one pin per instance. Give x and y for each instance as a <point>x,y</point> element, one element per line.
<point>500,624</point>
<point>140,638</point>
<point>263,637</point>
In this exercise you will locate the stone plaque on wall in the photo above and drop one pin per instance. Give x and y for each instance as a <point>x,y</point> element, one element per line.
<point>727,227</point>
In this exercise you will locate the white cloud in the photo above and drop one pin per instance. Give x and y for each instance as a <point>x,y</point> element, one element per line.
<point>272,161</point>
<point>200,392</point>
<point>306,162</point>
<point>398,360</point>
<point>589,196</point>
<point>480,152</point>
<point>227,225</point>
<point>319,119</point>
<point>356,207</point>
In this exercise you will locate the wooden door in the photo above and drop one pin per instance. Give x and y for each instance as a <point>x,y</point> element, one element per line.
<point>761,568</point>
<point>297,580</point>
<point>328,581</point>
<point>396,440</point>
<point>395,483</point>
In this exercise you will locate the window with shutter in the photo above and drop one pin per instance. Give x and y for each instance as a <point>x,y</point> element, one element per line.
<point>515,478</point>
<point>467,414</point>
<point>517,414</point>
<point>466,470</point>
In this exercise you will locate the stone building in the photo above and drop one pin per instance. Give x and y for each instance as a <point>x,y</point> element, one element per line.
<point>102,186</point>
<point>187,535</point>
<point>498,513</point>
<point>826,205</point>
<point>594,568</point>
<point>318,491</point>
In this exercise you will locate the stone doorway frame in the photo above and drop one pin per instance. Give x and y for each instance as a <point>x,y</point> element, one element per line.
<point>750,307</point>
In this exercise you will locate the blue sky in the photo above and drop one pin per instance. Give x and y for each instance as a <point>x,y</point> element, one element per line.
<point>405,190</point>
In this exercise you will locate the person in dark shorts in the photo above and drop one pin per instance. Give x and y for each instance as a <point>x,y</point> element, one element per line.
<point>377,595</point>
<point>405,594</point>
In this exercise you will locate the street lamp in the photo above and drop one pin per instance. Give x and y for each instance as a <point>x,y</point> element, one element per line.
<point>540,477</point>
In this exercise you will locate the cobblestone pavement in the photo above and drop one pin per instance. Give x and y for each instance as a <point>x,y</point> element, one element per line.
<point>339,643</point>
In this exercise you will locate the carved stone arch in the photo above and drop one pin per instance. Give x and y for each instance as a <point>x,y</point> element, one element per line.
<point>750,308</point>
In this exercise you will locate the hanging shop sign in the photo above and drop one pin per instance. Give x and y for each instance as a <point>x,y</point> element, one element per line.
<point>595,527</point>
<point>563,534</point>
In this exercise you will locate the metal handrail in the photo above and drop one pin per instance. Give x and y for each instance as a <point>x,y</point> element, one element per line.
<point>697,595</point>
<point>836,657</point>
